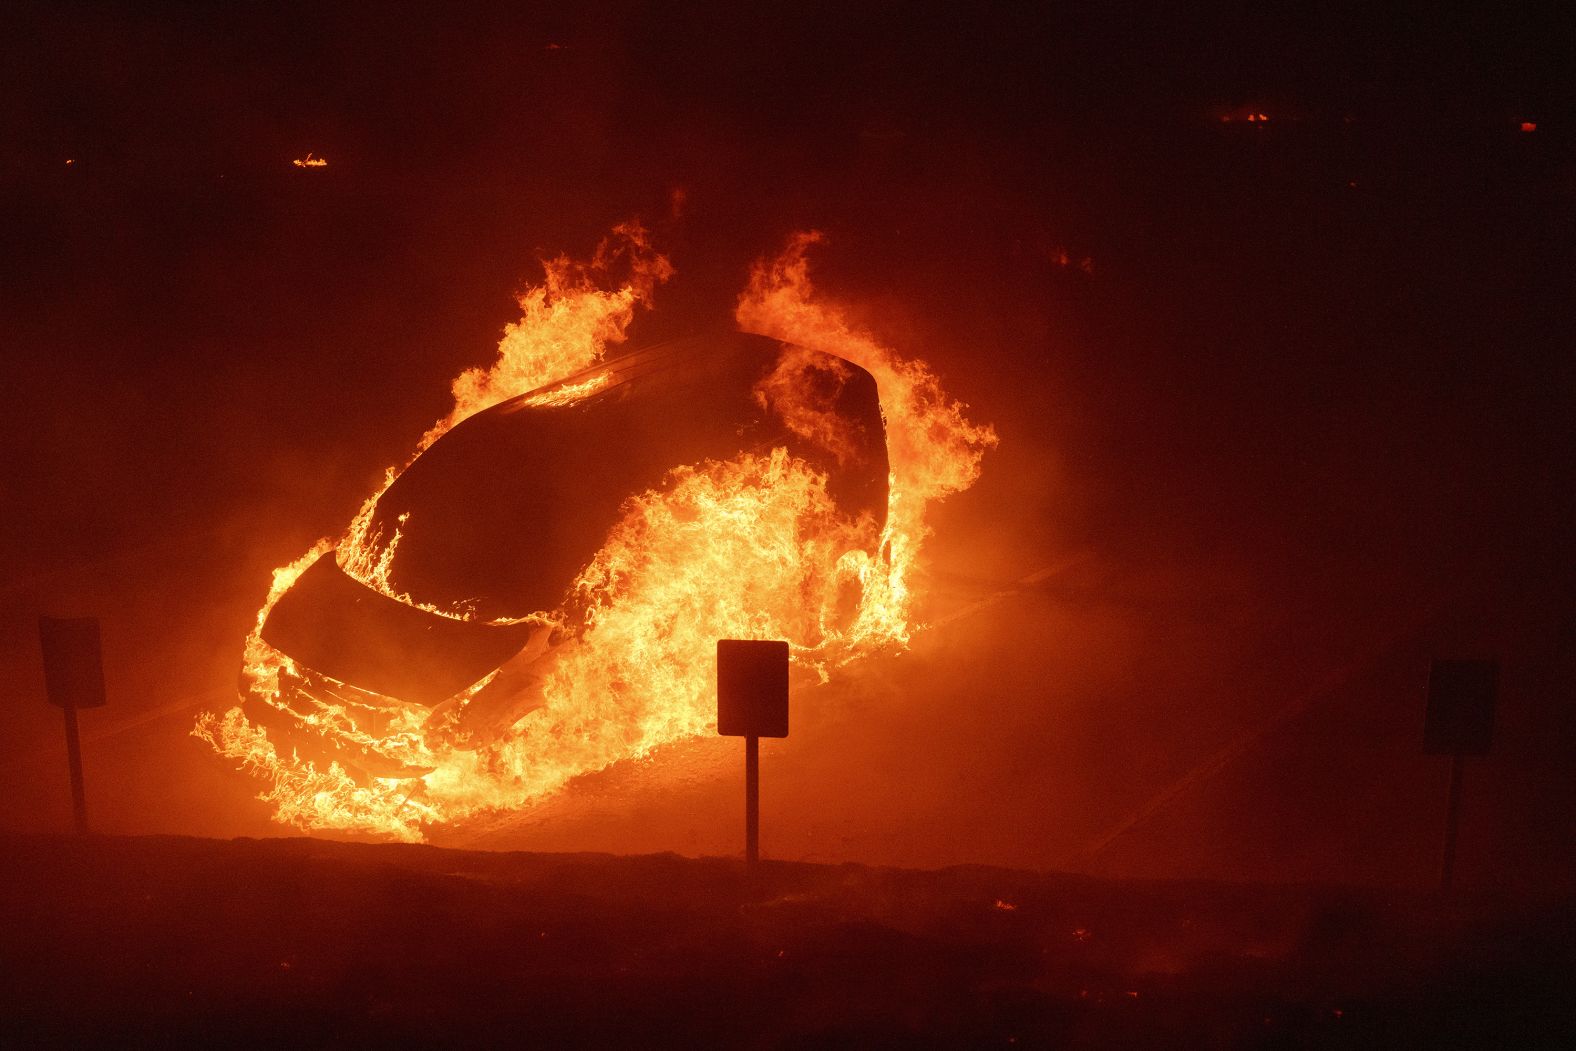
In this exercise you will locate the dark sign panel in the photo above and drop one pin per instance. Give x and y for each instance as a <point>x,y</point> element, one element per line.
<point>73,669</point>
<point>1460,707</point>
<point>752,688</point>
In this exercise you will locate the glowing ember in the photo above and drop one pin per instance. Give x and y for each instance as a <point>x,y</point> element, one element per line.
<point>1528,125</point>
<point>310,161</point>
<point>754,545</point>
<point>1248,115</point>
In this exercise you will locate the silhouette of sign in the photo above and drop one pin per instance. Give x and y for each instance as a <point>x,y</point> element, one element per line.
<point>73,678</point>
<point>1460,717</point>
<point>752,688</point>
<point>73,666</point>
<point>752,703</point>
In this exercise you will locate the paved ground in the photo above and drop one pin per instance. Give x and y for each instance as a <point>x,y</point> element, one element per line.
<point>300,942</point>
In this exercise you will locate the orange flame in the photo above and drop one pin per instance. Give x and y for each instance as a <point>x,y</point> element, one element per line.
<point>752,547</point>
<point>934,450</point>
<point>566,325</point>
<point>310,161</point>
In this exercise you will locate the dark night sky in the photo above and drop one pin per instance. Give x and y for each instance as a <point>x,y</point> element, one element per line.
<point>1306,422</point>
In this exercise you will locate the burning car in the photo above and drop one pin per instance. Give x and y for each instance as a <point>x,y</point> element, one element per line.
<point>461,595</point>
<point>537,594</point>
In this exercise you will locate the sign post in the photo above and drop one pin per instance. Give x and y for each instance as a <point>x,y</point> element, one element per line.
<point>752,702</point>
<point>1459,723</point>
<point>73,678</point>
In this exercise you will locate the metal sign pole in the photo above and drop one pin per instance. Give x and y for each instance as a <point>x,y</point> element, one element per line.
<point>79,798</point>
<point>752,800</point>
<point>1447,870</point>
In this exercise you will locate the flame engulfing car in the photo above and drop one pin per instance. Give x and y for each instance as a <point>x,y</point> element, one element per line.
<point>465,591</point>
